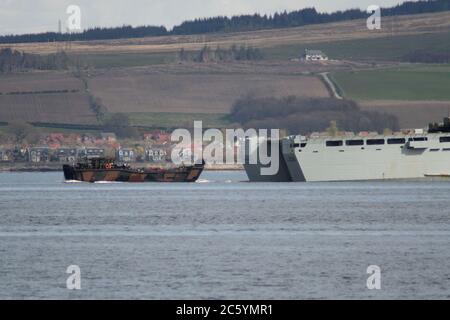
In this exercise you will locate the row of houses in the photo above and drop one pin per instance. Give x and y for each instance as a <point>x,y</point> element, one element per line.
<point>73,154</point>
<point>109,139</point>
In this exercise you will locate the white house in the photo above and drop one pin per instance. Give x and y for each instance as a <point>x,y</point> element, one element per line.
<point>156,154</point>
<point>91,153</point>
<point>126,155</point>
<point>314,55</point>
<point>66,154</point>
<point>39,154</point>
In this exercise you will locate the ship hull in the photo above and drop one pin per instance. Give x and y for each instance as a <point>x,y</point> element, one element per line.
<point>184,174</point>
<point>253,171</point>
<point>411,160</point>
<point>290,159</point>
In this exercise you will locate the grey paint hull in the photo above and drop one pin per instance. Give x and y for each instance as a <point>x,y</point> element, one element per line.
<point>312,160</point>
<point>254,173</point>
<point>410,160</point>
<point>254,170</point>
<point>288,152</point>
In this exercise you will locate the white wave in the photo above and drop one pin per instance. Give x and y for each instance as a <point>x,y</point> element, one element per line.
<point>107,182</point>
<point>203,181</point>
<point>72,181</point>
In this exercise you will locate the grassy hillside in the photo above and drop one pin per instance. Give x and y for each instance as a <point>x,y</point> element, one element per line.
<point>392,47</point>
<point>349,40</point>
<point>389,48</point>
<point>412,83</point>
<point>331,32</point>
<point>344,40</point>
<point>416,94</point>
<point>166,93</point>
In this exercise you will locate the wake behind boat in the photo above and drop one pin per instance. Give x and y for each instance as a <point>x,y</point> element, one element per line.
<point>102,169</point>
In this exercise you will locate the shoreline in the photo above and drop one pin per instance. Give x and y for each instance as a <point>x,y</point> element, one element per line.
<point>11,167</point>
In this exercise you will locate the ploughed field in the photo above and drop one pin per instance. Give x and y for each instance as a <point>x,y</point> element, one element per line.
<point>153,96</point>
<point>195,93</point>
<point>411,114</point>
<point>53,97</point>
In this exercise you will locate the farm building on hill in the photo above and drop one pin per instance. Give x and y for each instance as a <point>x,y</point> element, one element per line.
<point>314,55</point>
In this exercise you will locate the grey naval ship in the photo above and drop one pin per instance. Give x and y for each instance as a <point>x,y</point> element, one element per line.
<point>406,155</point>
<point>254,170</point>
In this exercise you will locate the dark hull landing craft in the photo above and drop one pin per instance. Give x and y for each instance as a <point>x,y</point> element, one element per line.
<point>107,170</point>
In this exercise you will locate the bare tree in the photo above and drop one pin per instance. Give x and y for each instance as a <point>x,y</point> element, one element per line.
<point>22,131</point>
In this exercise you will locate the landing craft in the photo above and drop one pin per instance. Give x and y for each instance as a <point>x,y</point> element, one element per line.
<point>102,169</point>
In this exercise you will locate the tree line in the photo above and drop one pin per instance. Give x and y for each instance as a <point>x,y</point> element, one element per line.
<point>306,115</point>
<point>299,18</point>
<point>15,61</point>
<point>231,24</point>
<point>97,33</point>
<point>234,53</point>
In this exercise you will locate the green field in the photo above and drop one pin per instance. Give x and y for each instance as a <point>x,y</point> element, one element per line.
<point>387,48</point>
<point>381,49</point>
<point>102,61</point>
<point>177,120</point>
<point>410,83</point>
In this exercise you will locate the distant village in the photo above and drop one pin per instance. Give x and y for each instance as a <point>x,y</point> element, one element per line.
<point>155,147</point>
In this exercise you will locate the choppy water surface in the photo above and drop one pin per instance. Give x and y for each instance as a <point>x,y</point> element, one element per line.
<point>223,238</point>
